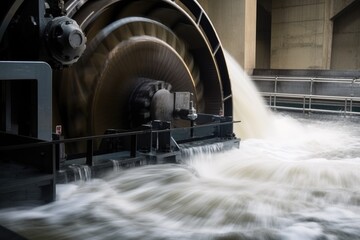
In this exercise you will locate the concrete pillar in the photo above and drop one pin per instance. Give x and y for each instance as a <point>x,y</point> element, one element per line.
<point>235,23</point>
<point>250,36</point>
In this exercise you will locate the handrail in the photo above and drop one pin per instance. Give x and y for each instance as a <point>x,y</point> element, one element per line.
<point>348,109</point>
<point>306,79</point>
<point>310,96</point>
<point>111,135</point>
<point>89,151</point>
<point>315,110</point>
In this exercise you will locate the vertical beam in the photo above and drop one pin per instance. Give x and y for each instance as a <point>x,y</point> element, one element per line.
<point>250,36</point>
<point>235,22</point>
<point>7,96</point>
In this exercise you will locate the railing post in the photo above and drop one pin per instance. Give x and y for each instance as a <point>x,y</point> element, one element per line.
<point>345,107</point>
<point>304,103</point>
<point>56,149</point>
<point>89,152</point>
<point>59,148</point>
<point>311,92</point>
<point>56,155</point>
<point>275,91</point>
<point>133,147</point>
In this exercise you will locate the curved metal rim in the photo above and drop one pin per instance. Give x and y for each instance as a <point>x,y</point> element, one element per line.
<point>218,67</point>
<point>203,24</point>
<point>99,107</point>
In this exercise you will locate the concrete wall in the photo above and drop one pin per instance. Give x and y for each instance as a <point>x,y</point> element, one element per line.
<point>235,23</point>
<point>315,34</point>
<point>304,34</point>
<point>299,38</point>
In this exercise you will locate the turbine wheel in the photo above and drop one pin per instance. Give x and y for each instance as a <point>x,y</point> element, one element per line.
<point>97,89</point>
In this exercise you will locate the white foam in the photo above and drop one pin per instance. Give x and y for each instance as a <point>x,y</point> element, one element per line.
<point>298,179</point>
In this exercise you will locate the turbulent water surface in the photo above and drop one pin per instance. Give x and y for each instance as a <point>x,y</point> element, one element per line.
<point>301,182</point>
<point>292,178</point>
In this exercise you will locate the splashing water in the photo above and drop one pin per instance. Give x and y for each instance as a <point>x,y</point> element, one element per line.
<point>248,105</point>
<point>116,165</point>
<point>81,172</point>
<point>300,181</point>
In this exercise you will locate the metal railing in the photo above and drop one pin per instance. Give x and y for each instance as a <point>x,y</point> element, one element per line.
<point>345,104</point>
<point>90,141</point>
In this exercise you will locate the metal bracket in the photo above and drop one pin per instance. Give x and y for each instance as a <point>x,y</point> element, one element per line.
<point>42,73</point>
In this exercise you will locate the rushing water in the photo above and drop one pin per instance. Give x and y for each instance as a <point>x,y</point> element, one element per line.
<point>248,105</point>
<point>292,178</point>
<point>302,183</point>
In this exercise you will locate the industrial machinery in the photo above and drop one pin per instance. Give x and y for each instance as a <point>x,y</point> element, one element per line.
<point>85,81</point>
